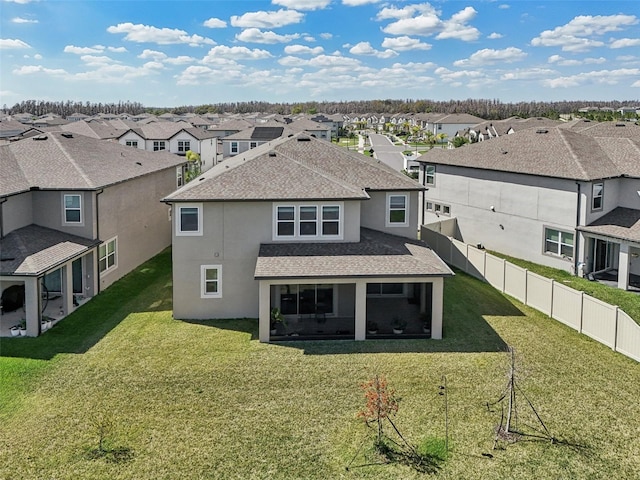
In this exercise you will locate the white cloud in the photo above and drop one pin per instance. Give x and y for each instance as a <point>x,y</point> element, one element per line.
<point>33,69</point>
<point>357,3</point>
<point>488,56</point>
<point>96,61</point>
<point>162,36</point>
<point>326,36</point>
<point>504,6</point>
<point>636,84</point>
<point>23,20</point>
<point>37,56</point>
<point>267,19</point>
<point>404,43</point>
<point>414,66</point>
<point>83,50</point>
<point>215,23</point>
<point>23,2</point>
<point>456,27</point>
<point>302,50</point>
<point>625,42</point>
<point>8,43</point>
<point>365,48</point>
<point>559,60</point>
<point>153,54</point>
<point>255,35</point>
<point>576,35</point>
<point>602,77</point>
<point>427,22</point>
<point>303,4</point>
<point>333,61</point>
<point>528,74</point>
<point>117,49</point>
<point>237,53</point>
<point>494,36</point>
<point>291,61</point>
<point>180,60</point>
<point>409,11</point>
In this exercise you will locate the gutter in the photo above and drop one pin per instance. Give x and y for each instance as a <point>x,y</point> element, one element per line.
<point>4,199</point>
<point>98,239</point>
<point>577,243</point>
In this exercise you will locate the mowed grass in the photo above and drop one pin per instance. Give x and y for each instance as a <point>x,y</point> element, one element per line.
<point>205,399</point>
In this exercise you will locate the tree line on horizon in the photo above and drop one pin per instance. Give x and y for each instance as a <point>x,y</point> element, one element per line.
<point>489,109</point>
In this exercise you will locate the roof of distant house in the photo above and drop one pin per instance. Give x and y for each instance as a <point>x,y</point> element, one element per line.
<point>297,167</point>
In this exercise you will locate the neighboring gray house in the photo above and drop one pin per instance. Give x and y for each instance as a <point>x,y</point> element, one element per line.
<point>76,214</point>
<point>567,197</point>
<point>251,138</point>
<point>323,234</point>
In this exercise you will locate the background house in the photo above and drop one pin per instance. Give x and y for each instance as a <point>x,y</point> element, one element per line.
<point>562,196</point>
<point>76,214</point>
<point>324,234</point>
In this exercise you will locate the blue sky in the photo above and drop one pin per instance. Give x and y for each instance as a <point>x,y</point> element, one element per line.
<point>172,53</point>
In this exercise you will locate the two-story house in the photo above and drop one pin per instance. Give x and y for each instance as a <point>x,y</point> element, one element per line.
<point>325,235</point>
<point>567,197</point>
<point>77,214</point>
<point>253,137</point>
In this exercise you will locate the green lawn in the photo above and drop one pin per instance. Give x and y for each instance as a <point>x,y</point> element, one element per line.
<point>629,302</point>
<point>205,399</point>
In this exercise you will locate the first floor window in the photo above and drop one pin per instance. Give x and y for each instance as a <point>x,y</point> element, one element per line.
<point>73,208</point>
<point>385,289</point>
<point>211,281</point>
<point>397,210</point>
<point>159,145</point>
<point>108,255</point>
<point>189,221</point>
<point>306,299</point>
<point>557,242</point>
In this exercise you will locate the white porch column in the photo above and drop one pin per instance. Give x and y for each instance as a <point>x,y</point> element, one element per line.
<point>361,310</point>
<point>67,288</point>
<point>623,266</point>
<point>437,298</point>
<point>264,311</point>
<point>32,306</point>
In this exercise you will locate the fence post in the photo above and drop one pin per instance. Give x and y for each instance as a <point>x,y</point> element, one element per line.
<point>553,288</point>
<point>615,331</point>
<point>526,285</point>
<point>581,311</point>
<point>504,275</point>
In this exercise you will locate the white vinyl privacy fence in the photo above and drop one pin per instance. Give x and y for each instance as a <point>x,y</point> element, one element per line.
<point>603,322</point>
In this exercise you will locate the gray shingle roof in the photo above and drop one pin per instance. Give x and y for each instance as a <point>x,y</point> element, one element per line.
<point>376,255</point>
<point>68,161</point>
<point>299,167</point>
<point>32,250</point>
<point>549,152</point>
<point>621,223</point>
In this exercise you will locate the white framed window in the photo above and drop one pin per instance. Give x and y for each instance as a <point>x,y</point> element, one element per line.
<point>307,299</point>
<point>446,210</point>
<point>597,196</point>
<point>253,144</point>
<point>184,146</point>
<point>234,147</point>
<point>72,204</point>
<point>430,175</point>
<point>108,255</point>
<point>179,177</point>
<point>189,219</point>
<point>307,221</point>
<point>429,206</point>
<point>397,210</point>
<point>211,281</point>
<point>159,145</point>
<point>558,242</point>
<point>385,289</point>
<point>131,143</point>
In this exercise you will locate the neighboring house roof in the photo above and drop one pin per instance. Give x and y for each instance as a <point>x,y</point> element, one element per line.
<point>605,129</point>
<point>93,129</point>
<point>62,160</point>
<point>232,125</point>
<point>11,128</point>
<point>32,250</point>
<point>299,167</point>
<point>553,152</point>
<point>457,118</point>
<point>621,223</point>
<point>376,255</point>
<point>262,133</point>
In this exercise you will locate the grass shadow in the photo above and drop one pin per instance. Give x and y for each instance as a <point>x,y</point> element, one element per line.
<point>245,325</point>
<point>147,288</point>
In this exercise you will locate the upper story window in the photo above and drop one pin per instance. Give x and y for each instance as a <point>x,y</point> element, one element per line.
<point>234,147</point>
<point>189,220</point>
<point>179,177</point>
<point>307,221</point>
<point>184,146</point>
<point>131,143</point>
<point>73,208</point>
<point>597,197</point>
<point>429,174</point>
<point>253,144</point>
<point>557,242</point>
<point>158,145</point>
<point>397,210</point>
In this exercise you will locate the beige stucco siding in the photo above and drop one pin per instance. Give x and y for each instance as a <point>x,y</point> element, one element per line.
<point>48,211</point>
<point>374,214</point>
<point>17,212</point>
<point>132,211</point>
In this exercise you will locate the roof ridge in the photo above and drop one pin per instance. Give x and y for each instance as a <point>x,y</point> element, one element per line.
<point>561,132</point>
<point>72,161</point>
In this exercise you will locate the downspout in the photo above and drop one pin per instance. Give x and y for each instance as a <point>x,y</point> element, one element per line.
<point>98,238</point>
<point>577,243</point>
<point>4,199</point>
